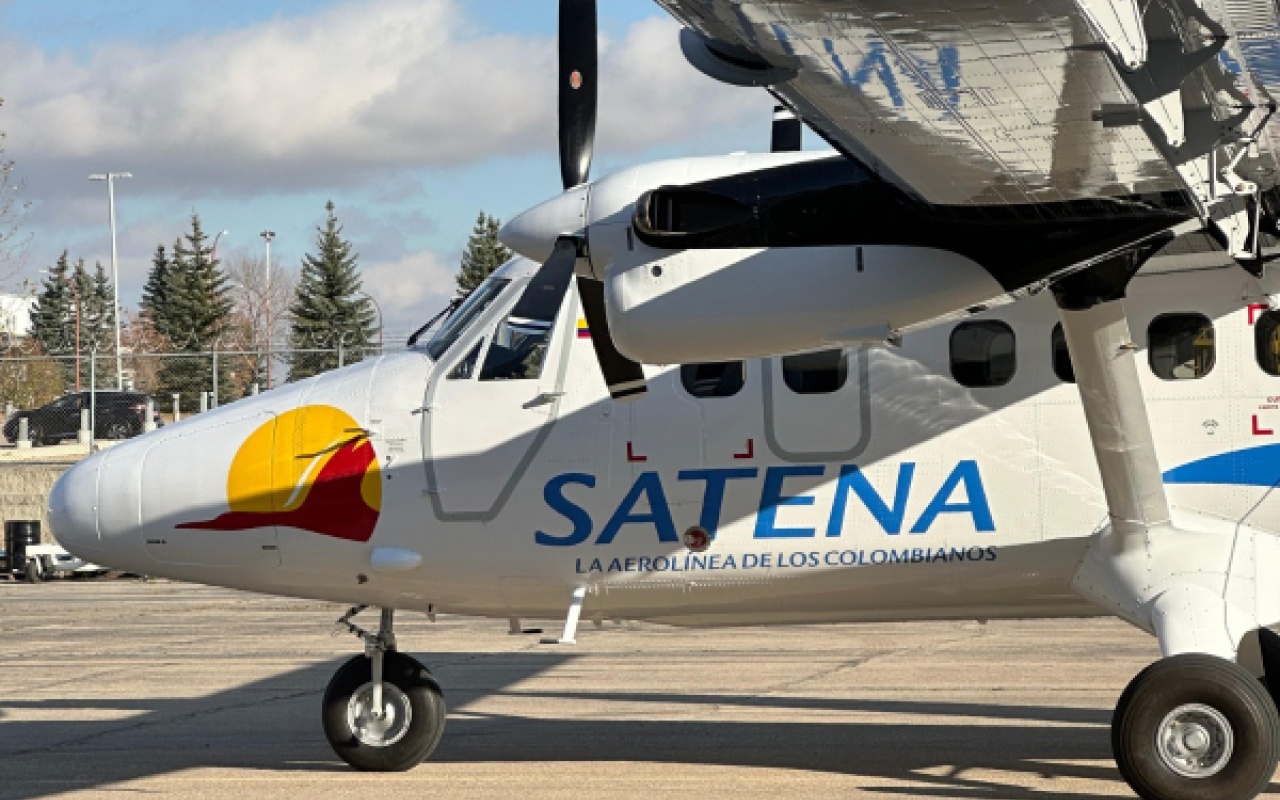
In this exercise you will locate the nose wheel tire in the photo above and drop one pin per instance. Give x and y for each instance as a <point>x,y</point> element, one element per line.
<point>1196,727</point>
<point>409,727</point>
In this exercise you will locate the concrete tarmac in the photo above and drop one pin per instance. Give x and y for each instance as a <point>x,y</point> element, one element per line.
<point>189,692</point>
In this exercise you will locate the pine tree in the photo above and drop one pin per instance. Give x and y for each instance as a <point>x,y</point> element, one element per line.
<point>193,313</point>
<point>329,310</point>
<point>483,255</point>
<point>97,323</point>
<point>53,315</point>
<point>153,292</point>
<point>95,314</point>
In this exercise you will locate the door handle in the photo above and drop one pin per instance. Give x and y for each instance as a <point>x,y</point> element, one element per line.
<point>543,398</point>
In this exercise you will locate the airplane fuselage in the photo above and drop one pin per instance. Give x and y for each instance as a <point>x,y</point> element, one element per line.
<point>875,489</point>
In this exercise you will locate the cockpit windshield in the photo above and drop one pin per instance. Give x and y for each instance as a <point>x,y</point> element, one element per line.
<point>480,299</point>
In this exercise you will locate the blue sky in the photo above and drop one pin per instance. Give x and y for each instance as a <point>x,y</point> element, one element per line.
<point>411,115</point>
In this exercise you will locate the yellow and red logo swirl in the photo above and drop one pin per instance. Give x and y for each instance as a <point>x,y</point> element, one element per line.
<point>313,468</point>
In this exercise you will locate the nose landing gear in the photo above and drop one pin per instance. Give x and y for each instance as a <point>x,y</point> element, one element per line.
<point>1196,726</point>
<point>382,711</point>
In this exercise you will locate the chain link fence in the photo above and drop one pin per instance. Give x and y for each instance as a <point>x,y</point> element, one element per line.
<point>77,402</point>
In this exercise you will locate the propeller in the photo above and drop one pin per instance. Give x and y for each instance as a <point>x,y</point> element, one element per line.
<point>788,131</point>
<point>542,298</point>
<point>578,90</point>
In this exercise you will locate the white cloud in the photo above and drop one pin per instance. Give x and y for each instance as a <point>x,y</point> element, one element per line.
<point>368,85</point>
<point>411,289</point>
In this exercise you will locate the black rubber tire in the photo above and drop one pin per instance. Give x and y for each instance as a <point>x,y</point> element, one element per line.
<point>118,431</point>
<point>1195,678</point>
<point>425,727</point>
<point>32,571</point>
<point>36,435</point>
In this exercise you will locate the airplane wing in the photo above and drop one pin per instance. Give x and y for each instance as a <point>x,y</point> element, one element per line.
<point>1014,102</point>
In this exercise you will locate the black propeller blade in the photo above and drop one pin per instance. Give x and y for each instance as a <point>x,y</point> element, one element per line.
<point>624,377</point>
<point>788,131</point>
<point>545,293</point>
<point>578,87</point>
<point>541,302</point>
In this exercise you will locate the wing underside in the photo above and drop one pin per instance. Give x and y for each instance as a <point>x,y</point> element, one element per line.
<point>998,102</point>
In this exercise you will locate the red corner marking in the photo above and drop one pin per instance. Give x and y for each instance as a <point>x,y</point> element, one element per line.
<point>1254,308</point>
<point>751,450</point>
<point>1260,431</point>
<point>631,454</point>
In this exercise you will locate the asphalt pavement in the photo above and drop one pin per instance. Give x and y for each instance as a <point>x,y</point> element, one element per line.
<point>189,692</point>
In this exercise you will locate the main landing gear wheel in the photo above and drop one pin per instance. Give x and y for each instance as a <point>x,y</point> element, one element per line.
<point>1196,727</point>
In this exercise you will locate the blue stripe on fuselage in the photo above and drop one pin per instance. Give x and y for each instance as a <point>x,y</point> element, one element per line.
<point>1256,466</point>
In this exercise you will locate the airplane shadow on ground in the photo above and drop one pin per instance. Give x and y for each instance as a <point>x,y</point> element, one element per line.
<point>273,724</point>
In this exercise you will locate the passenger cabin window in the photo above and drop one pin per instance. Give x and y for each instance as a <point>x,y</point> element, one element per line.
<point>1062,366</point>
<point>983,354</point>
<point>518,350</point>
<point>1266,338</point>
<point>823,372</point>
<point>1181,346</point>
<point>714,380</point>
<point>475,305</point>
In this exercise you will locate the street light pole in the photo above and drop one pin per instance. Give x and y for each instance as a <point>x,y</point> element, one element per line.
<point>110,178</point>
<point>213,251</point>
<point>267,236</point>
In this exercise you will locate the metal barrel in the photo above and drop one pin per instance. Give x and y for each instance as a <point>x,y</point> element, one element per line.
<point>18,535</point>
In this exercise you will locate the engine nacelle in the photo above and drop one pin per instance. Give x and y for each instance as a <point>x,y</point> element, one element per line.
<point>744,256</point>
<point>720,305</point>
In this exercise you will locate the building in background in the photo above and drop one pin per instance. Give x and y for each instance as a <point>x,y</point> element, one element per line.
<point>15,316</point>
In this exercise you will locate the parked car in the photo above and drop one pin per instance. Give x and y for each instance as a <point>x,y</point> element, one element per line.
<point>120,415</point>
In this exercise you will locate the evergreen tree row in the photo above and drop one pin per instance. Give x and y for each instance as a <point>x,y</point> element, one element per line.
<point>187,302</point>
<point>53,316</point>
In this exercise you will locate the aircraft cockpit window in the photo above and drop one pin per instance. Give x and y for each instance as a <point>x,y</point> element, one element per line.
<point>466,368</point>
<point>456,325</point>
<point>519,348</point>
<point>1062,366</point>
<point>713,380</point>
<point>983,354</point>
<point>1181,346</point>
<point>1266,338</point>
<point>823,372</point>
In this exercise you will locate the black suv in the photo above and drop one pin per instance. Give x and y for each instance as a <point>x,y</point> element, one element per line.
<point>120,415</point>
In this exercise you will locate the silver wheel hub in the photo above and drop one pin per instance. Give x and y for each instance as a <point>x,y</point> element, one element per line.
<point>1195,741</point>
<point>379,729</point>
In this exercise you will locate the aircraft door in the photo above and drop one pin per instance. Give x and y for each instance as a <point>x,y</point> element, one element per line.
<point>818,405</point>
<point>489,407</point>
<point>230,492</point>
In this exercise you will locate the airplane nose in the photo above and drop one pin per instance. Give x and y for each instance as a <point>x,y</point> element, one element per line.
<point>73,507</point>
<point>533,234</point>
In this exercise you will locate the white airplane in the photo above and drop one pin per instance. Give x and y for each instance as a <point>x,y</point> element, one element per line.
<point>869,413</point>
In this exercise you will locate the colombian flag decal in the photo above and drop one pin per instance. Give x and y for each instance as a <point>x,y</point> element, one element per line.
<point>584,332</point>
